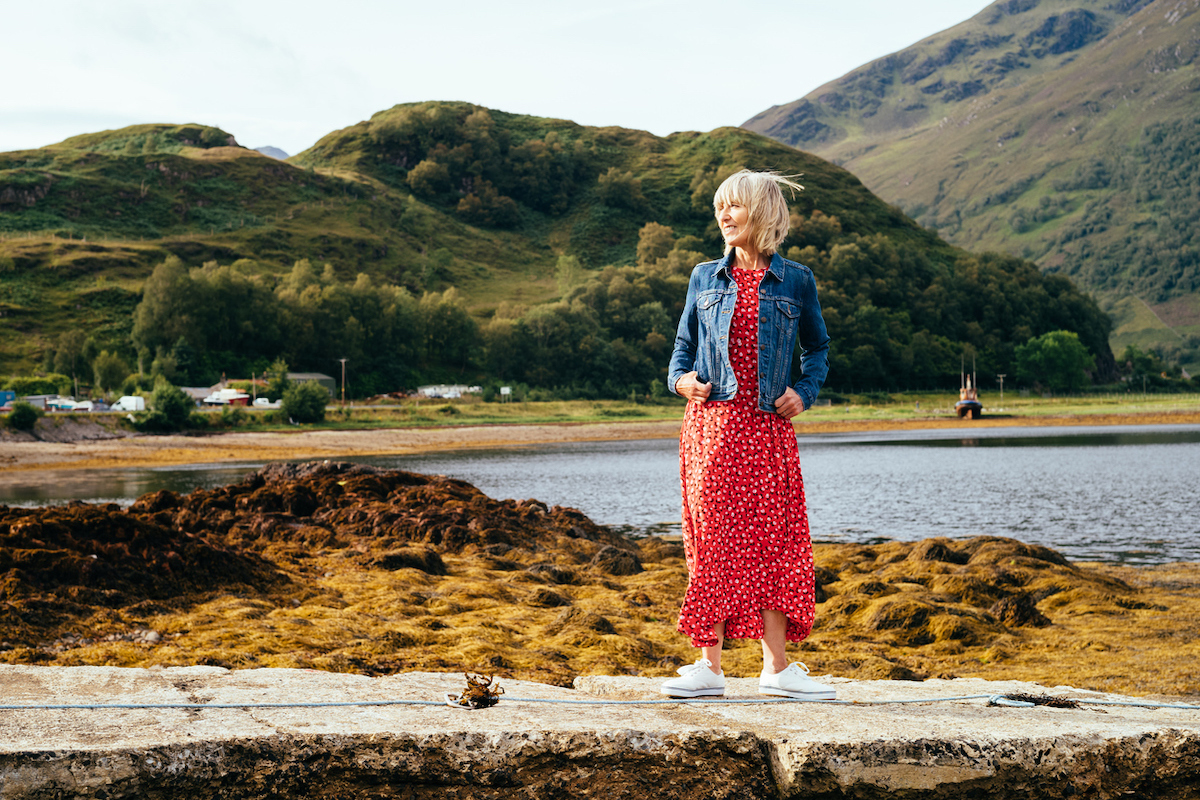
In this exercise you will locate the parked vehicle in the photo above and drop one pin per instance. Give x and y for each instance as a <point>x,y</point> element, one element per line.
<point>228,397</point>
<point>129,403</point>
<point>262,402</point>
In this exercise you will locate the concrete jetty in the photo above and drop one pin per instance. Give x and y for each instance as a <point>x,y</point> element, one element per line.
<point>539,751</point>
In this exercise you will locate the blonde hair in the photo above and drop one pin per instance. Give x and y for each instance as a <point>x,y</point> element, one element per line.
<point>760,194</point>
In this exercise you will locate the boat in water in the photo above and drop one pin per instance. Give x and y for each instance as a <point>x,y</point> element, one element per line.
<point>968,405</point>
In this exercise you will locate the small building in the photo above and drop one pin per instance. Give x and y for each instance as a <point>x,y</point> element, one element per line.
<point>42,401</point>
<point>198,393</point>
<point>449,391</point>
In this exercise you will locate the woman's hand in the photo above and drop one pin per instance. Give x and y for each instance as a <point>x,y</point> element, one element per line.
<point>689,386</point>
<point>787,406</point>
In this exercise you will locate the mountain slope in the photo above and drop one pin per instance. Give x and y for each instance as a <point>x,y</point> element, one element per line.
<point>540,225</point>
<point>1065,131</point>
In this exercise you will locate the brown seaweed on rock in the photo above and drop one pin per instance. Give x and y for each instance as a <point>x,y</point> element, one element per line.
<point>338,504</point>
<point>58,565</point>
<point>344,567</point>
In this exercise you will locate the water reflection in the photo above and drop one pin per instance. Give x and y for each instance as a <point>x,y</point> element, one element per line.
<point>1107,494</point>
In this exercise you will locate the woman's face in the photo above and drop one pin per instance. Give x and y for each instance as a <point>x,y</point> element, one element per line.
<point>734,220</point>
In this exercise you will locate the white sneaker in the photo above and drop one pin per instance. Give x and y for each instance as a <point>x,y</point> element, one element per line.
<point>794,682</point>
<point>696,680</point>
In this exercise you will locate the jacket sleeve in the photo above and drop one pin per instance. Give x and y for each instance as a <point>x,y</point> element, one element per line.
<point>683,357</point>
<point>814,345</point>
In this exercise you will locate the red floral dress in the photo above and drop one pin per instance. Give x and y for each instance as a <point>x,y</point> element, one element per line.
<point>745,523</point>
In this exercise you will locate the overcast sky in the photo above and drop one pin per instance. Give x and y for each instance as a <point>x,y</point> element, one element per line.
<point>285,74</point>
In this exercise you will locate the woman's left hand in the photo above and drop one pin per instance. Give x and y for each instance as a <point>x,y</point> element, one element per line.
<point>789,405</point>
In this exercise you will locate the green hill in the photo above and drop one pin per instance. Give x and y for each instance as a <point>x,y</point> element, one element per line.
<point>567,249</point>
<point>1064,131</point>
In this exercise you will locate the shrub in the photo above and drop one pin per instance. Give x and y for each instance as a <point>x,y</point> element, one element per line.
<point>172,402</point>
<point>232,416</point>
<point>305,402</point>
<point>138,383</point>
<point>23,416</point>
<point>171,409</point>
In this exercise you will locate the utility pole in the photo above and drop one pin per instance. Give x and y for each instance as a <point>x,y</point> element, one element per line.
<point>1002,377</point>
<point>343,360</point>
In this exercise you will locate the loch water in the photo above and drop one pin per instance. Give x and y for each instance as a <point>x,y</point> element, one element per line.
<point>1117,494</point>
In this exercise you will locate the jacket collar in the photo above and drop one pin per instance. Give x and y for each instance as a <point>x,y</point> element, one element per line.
<point>726,264</point>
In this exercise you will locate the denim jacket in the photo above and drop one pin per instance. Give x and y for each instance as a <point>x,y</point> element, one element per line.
<point>787,311</point>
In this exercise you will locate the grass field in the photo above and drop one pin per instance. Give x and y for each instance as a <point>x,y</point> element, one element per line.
<point>898,407</point>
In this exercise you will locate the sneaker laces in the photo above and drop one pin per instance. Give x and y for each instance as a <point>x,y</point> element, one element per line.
<point>688,669</point>
<point>799,666</point>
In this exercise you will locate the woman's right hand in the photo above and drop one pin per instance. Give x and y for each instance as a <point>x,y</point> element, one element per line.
<point>689,386</point>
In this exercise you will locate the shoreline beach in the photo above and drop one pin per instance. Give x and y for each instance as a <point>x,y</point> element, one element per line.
<point>20,456</point>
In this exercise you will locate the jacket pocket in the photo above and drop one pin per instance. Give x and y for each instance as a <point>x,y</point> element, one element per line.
<point>708,302</point>
<point>787,316</point>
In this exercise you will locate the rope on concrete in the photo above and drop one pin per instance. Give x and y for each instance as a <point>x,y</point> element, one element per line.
<point>993,699</point>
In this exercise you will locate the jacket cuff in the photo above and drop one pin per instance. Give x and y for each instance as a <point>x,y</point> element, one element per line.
<point>805,397</point>
<point>671,381</point>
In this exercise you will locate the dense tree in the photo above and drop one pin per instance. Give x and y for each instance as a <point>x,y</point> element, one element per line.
<point>429,178</point>
<point>620,189</point>
<point>655,241</point>
<point>52,383</point>
<point>167,310</point>
<point>1057,360</point>
<point>309,319</point>
<point>483,205</point>
<point>70,354</point>
<point>1136,363</point>
<point>450,331</point>
<point>277,380</point>
<point>110,371</point>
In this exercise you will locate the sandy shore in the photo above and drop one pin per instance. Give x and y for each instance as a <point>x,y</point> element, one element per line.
<point>18,459</point>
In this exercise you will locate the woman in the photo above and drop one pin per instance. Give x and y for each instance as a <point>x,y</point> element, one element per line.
<point>749,556</point>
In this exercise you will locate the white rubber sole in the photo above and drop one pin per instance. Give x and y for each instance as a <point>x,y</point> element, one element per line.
<point>690,693</point>
<point>775,691</point>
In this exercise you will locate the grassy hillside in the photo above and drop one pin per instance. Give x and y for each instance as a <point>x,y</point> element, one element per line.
<point>539,225</point>
<point>1064,131</point>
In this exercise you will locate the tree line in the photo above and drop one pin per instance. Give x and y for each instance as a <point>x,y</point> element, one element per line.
<point>899,320</point>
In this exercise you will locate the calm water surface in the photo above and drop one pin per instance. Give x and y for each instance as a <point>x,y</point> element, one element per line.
<point>1124,494</point>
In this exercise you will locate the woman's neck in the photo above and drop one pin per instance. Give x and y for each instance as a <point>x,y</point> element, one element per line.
<point>748,259</point>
